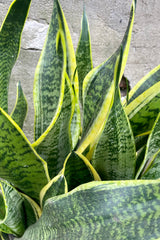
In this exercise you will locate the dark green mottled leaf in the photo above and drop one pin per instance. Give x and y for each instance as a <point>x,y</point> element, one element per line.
<point>20,110</point>
<point>49,77</point>
<point>101,210</point>
<point>19,163</point>
<point>16,214</point>
<point>78,170</point>
<point>56,143</point>
<point>55,187</point>
<point>98,91</point>
<point>143,110</point>
<point>145,83</point>
<point>83,53</point>
<point>114,156</point>
<point>10,36</point>
<point>150,166</point>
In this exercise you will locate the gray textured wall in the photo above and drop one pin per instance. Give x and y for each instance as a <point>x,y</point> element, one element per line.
<point>108,21</point>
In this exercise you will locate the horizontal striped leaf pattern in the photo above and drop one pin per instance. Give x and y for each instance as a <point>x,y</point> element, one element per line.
<point>55,187</point>
<point>98,90</point>
<point>78,170</point>
<point>56,143</point>
<point>143,111</point>
<point>114,155</point>
<point>19,162</point>
<point>145,83</point>
<point>83,53</point>
<point>20,110</point>
<point>16,214</point>
<point>49,76</point>
<point>10,37</point>
<point>102,210</point>
<point>152,157</point>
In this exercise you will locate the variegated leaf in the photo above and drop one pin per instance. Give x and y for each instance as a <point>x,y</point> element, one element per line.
<point>19,162</point>
<point>83,53</point>
<point>56,143</point>
<point>98,91</point>
<point>114,155</point>
<point>20,110</point>
<point>78,170</point>
<point>10,36</point>
<point>101,210</point>
<point>16,213</point>
<point>150,167</point>
<point>55,187</point>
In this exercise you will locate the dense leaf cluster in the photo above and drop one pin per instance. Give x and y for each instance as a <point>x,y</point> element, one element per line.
<point>93,169</point>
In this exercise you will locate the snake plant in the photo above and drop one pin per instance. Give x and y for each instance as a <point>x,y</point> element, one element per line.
<point>93,169</point>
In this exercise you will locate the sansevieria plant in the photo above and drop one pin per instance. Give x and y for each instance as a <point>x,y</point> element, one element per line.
<point>93,169</point>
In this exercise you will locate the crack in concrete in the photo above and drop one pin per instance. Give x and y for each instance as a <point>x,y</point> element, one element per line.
<point>40,20</point>
<point>31,49</point>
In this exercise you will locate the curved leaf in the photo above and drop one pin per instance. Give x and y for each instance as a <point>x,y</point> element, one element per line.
<point>143,110</point>
<point>83,53</point>
<point>145,83</point>
<point>152,156</point>
<point>55,187</point>
<point>98,91</point>
<point>10,37</point>
<point>101,210</point>
<point>20,110</point>
<point>78,170</point>
<point>16,214</point>
<point>152,168</point>
<point>19,162</point>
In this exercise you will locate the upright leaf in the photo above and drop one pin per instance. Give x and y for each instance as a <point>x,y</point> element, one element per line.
<point>78,170</point>
<point>19,162</point>
<point>98,90</point>
<point>83,53</point>
<point>72,74</point>
<point>10,37</point>
<point>56,143</point>
<point>49,77</point>
<point>20,110</point>
<point>55,187</point>
<point>101,210</point>
<point>114,156</point>
<point>50,72</point>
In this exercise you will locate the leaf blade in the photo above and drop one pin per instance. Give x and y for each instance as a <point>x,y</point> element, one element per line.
<point>49,76</point>
<point>20,110</point>
<point>114,155</point>
<point>10,37</point>
<point>29,171</point>
<point>83,53</point>
<point>98,90</point>
<point>125,209</point>
<point>14,221</point>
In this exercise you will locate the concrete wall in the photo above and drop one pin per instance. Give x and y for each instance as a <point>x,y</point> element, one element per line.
<point>108,21</point>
